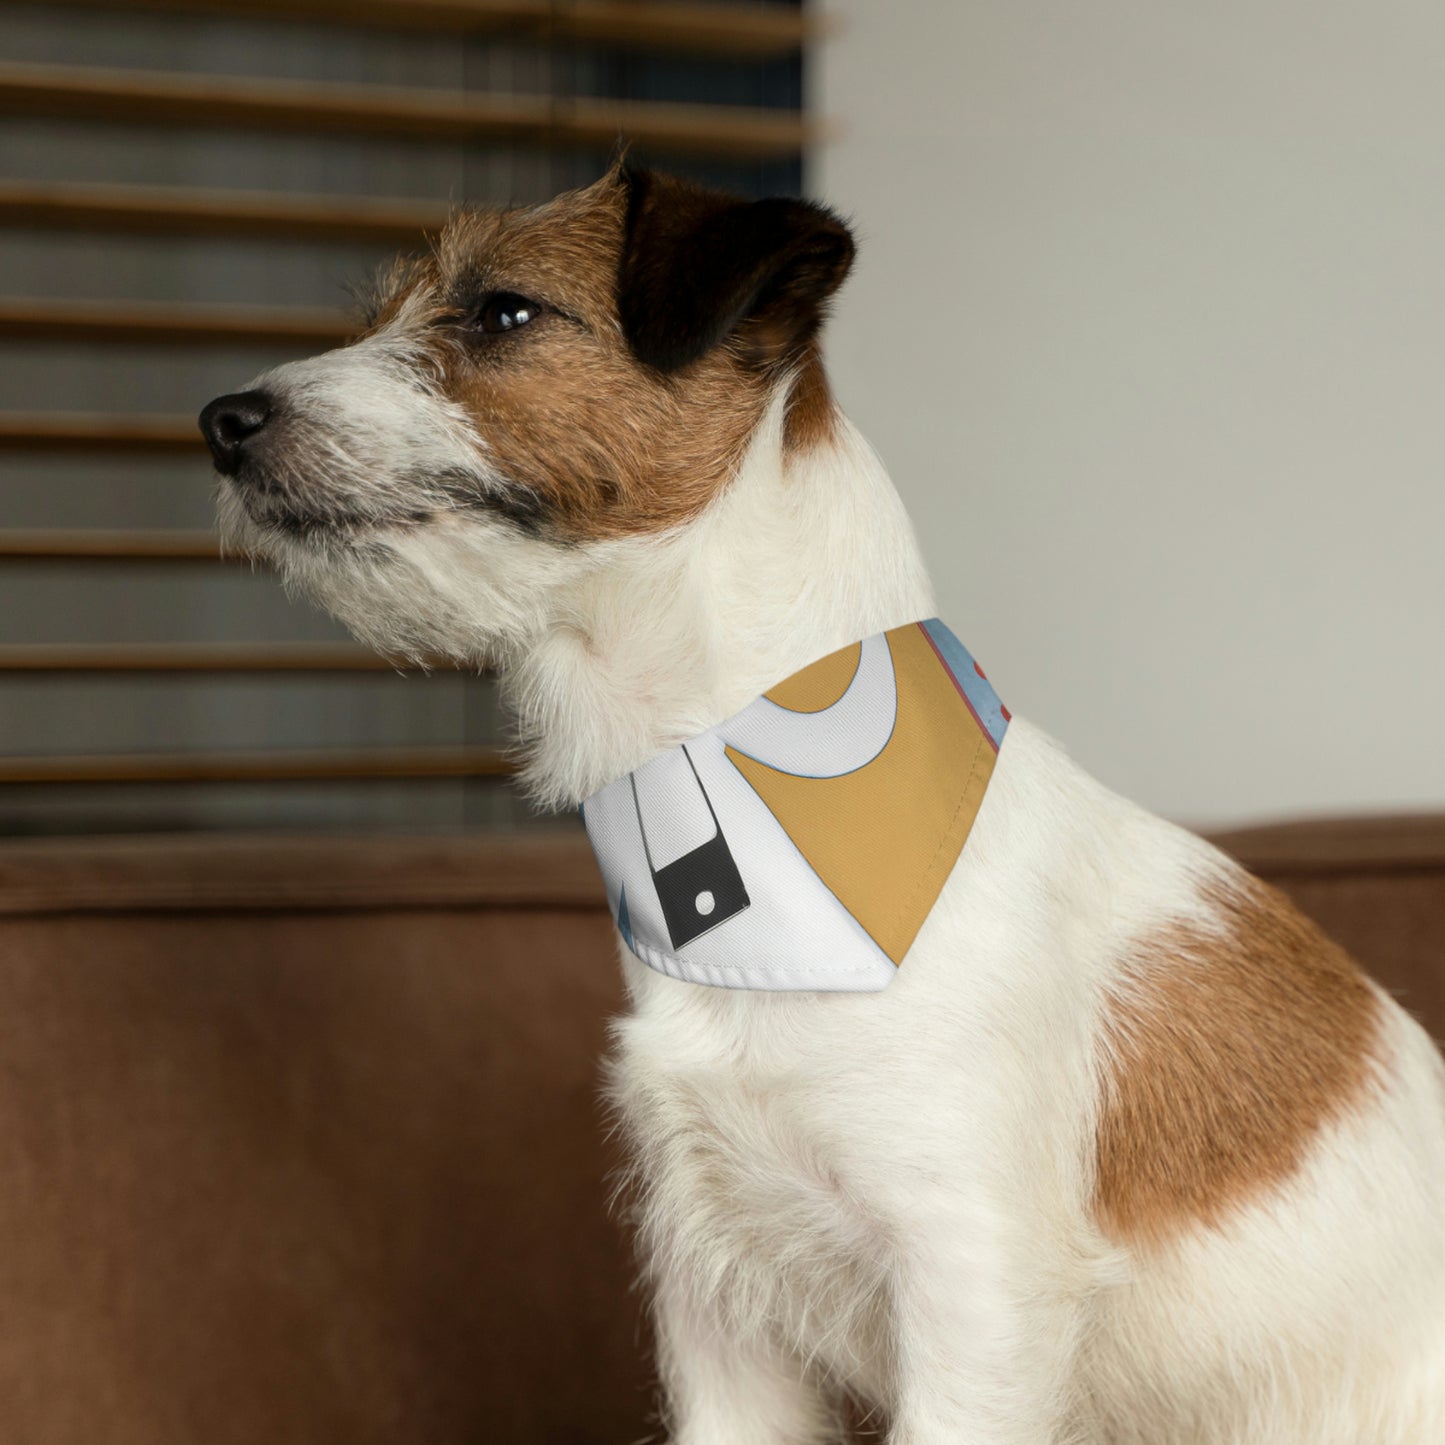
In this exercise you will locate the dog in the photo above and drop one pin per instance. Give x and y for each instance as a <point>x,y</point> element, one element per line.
<point>1123,1151</point>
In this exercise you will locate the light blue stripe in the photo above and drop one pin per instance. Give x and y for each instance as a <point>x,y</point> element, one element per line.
<point>976,688</point>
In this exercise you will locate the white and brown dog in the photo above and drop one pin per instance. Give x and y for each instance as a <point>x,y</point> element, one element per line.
<point>1127,1152</point>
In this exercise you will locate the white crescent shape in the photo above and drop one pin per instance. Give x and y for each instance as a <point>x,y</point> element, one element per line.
<point>839,739</point>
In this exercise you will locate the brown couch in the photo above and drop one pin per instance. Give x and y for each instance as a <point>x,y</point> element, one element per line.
<point>299,1140</point>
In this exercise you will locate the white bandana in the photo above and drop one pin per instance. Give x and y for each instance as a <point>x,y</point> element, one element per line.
<point>801,843</point>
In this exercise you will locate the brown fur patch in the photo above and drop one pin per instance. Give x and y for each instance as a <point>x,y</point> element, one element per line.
<point>812,413</point>
<point>1228,1052</point>
<point>595,443</point>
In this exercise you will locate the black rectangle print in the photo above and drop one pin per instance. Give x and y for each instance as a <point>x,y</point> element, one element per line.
<point>687,886</point>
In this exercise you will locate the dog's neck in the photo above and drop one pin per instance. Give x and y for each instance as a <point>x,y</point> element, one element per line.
<point>804,553</point>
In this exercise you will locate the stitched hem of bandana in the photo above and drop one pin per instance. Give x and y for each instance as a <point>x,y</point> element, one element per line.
<point>797,978</point>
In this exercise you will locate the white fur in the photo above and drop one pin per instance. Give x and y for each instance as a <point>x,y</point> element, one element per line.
<point>889,1194</point>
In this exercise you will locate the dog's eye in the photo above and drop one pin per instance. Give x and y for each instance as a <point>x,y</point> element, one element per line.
<point>506,311</point>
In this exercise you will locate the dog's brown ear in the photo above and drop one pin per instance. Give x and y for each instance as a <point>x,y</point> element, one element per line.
<point>699,267</point>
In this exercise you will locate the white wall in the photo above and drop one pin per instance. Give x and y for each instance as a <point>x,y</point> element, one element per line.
<point>1149,324</point>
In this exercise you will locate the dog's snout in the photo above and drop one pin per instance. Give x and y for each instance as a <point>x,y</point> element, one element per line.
<point>229,422</point>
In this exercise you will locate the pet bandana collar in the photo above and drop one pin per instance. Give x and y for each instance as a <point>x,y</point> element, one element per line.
<point>801,843</point>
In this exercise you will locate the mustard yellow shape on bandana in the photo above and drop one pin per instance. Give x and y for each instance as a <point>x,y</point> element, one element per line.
<point>885,837</point>
<point>821,683</point>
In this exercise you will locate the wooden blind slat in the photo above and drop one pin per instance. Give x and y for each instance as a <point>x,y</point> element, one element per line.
<point>176,211</point>
<point>169,323</point>
<point>181,657</point>
<point>94,431</point>
<point>705,29</point>
<point>159,98</point>
<point>108,546</point>
<point>359,764</point>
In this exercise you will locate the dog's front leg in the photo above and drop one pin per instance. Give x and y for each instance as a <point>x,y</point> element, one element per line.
<point>985,1349</point>
<point>722,1389</point>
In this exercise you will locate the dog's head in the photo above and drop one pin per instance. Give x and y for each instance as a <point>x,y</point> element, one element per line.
<point>546,383</point>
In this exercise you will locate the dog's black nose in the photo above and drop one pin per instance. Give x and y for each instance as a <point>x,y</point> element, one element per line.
<point>229,422</point>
